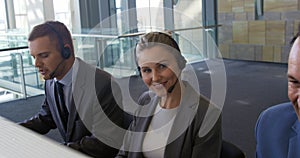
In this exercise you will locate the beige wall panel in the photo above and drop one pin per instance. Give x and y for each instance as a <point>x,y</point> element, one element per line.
<point>268,52</point>
<point>296,26</point>
<point>275,39</point>
<point>257,32</point>
<point>240,32</point>
<point>257,38</point>
<point>275,33</point>
<point>249,6</point>
<point>257,26</point>
<point>240,16</point>
<point>269,36</point>
<point>277,54</point>
<point>280,5</point>
<point>224,50</point>
<point>238,6</point>
<point>224,6</point>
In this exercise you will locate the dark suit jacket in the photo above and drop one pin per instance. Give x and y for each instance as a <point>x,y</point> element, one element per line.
<point>196,131</point>
<point>278,133</point>
<point>93,113</point>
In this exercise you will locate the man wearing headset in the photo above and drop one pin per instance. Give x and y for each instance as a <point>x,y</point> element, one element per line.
<point>90,116</point>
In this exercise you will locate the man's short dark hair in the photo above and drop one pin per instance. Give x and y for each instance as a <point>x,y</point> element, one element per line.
<point>43,29</point>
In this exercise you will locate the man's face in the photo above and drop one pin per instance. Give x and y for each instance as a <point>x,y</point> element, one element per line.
<point>47,57</point>
<point>294,76</point>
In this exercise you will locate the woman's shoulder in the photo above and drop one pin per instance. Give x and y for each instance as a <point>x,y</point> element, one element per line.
<point>146,97</point>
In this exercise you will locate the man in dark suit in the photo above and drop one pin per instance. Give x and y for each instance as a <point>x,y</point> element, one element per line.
<point>278,128</point>
<point>86,110</point>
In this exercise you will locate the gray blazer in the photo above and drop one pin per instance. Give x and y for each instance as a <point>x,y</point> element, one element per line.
<point>190,135</point>
<point>93,105</point>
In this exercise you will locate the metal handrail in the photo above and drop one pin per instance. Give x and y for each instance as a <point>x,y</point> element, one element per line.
<point>14,48</point>
<point>19,88</point>
<point>94,35</point>
<point>23,89</point>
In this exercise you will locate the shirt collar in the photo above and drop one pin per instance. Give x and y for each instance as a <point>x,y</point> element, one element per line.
<point>67,79</point>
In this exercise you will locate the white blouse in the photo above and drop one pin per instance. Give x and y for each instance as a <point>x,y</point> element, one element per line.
<point>159,129</point>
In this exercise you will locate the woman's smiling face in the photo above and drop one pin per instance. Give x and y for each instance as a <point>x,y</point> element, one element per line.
<point>159,69</point>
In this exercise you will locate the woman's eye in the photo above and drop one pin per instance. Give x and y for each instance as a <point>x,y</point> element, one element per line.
<point>162,66</point>
<point>146,70</point>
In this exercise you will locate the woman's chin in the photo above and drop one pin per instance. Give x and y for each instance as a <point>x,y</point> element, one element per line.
<point>160,93</point>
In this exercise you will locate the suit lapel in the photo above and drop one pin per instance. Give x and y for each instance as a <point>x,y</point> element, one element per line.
<point>142,124</point>
<point>78,82</point>
<point>54,109</point>
<point>78,92</point>
<point>138,138</point>
<point>186,112</point>
<point>294,142</point>
<point>71,120</point>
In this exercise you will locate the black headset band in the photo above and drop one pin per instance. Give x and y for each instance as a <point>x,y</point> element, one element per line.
<point>65,53</point>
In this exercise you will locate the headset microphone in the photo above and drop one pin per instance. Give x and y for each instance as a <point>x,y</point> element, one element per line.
<point>172,87</point>
<point>54,71</point>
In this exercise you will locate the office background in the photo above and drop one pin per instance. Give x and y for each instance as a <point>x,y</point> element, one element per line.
<point>252,36</point>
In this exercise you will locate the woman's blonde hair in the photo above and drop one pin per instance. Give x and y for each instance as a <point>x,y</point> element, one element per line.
<point>152,39</point>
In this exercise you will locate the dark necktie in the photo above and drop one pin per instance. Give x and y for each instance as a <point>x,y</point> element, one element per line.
<point>60,101</point>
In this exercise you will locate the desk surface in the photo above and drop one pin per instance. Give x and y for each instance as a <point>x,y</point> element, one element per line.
<point>17,141</point>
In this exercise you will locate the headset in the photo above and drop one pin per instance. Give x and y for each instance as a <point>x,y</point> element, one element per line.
<point>178,56</point>
<point>64,51</point>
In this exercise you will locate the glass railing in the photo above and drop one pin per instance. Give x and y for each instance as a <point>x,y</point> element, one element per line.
<point>12,39</point>
<point>110,53</point>
<point>18,76</point>
<point>115,53</point>
<point>20,79</point>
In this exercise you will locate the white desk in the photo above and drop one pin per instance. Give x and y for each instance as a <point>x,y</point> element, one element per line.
<point>19,142</point>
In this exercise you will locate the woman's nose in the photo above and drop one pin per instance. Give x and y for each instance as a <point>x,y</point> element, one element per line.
<point>155,76</point>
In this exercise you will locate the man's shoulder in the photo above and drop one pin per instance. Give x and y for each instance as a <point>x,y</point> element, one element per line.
<point>278,116</point>
<point>282,110</point>
<point>274,129</point>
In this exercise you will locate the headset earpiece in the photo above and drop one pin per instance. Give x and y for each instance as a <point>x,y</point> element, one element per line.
<point>66,53</point>
<point>139,71</point>
<point>181,62</point>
